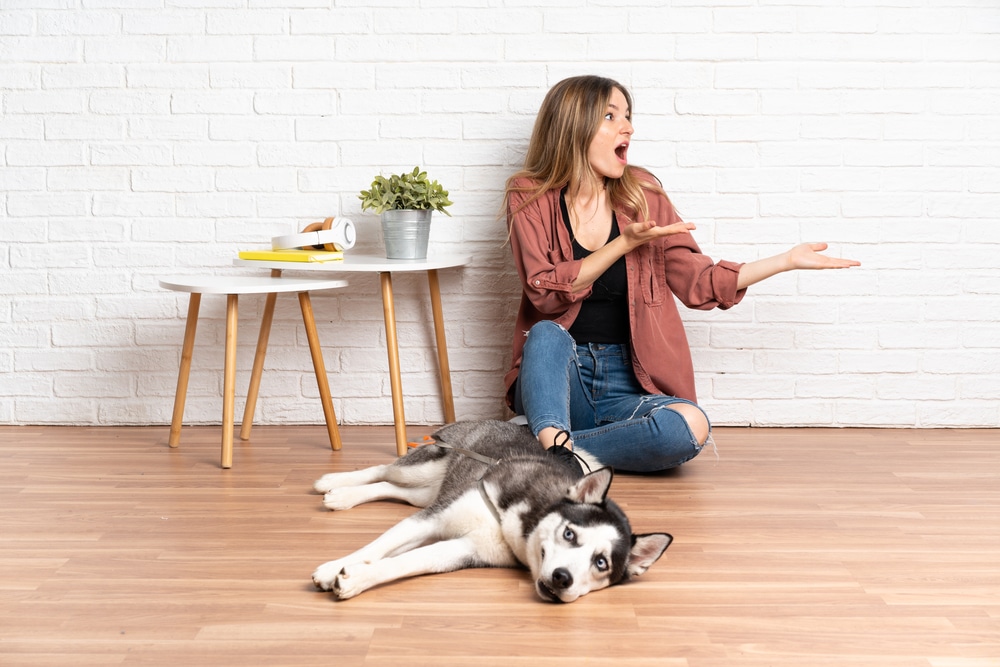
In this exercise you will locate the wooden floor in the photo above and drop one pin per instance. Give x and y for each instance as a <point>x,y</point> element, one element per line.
<point>795,547</point>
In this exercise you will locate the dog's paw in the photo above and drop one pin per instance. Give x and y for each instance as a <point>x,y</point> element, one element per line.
<point>327,482</point>
<point>326,575</point>
<point>361,477</point>
<point>350,582</point>
<point>342,498</point>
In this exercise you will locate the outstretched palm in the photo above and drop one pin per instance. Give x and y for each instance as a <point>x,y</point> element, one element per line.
<point>807,256</point>
<point>639,233</point>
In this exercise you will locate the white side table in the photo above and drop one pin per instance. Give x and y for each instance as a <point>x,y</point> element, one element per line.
<point>358,263</point>
<point>232,287</point>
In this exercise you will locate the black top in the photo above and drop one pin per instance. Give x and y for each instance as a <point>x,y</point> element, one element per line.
<point>604,314</point>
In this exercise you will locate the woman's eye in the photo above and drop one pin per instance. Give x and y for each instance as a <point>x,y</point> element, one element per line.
<point>601,563</point>
<point>569,535</point>
<point>609,116</point>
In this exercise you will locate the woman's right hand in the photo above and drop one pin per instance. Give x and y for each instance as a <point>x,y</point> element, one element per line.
<point>633,236</point>
<point>641,233</point>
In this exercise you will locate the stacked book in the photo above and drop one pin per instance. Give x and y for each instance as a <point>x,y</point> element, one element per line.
<point>294,255</point>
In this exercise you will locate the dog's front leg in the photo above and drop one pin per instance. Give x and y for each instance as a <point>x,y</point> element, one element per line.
<point>346,497</point>
<point>409,533</point>
<point>336,480</point>
<point>446,556</point>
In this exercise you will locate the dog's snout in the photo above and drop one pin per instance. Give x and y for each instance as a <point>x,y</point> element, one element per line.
<point>561,578</point>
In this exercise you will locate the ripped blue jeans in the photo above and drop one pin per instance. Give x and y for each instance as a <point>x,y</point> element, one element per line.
<point>591,391</point>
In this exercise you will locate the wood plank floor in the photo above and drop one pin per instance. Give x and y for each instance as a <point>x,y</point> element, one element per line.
<point>795,547</point>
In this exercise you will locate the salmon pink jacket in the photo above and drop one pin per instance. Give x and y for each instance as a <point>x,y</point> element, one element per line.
<point>657,271</point>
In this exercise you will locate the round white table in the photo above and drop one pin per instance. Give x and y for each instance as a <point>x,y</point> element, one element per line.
<point>233,287</point>
<point>360,263</point>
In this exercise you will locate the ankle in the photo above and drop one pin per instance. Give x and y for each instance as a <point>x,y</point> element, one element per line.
<point>553,436</point>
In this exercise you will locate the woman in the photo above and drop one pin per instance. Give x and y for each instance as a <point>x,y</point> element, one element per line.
<point>600,356</point>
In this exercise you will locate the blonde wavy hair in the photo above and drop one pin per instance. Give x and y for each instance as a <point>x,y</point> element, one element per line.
<point>567,122</point>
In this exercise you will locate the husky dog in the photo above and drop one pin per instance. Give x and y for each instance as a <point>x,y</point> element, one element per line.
<point>492,497</point>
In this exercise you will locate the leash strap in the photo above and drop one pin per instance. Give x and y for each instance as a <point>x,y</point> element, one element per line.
<point>489,502</point>
<point>468,452</point>
<point>481,484</point>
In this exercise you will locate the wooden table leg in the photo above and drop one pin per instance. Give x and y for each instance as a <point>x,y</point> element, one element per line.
<point>258,361</point>
<point>229,383</point>
<point>258,366</point>
<point>320,368</point>
<point>392,348</point>
<point>185,370</point>
<point>447,397</point>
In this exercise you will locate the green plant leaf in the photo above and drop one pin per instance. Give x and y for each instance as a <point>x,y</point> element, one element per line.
<point>410,190</point>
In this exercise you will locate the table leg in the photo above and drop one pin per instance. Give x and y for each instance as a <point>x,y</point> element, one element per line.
<point>258,361</point>
<point>229,383</point>
<point>447,398</point>
<point>392,348</point>
<point>185,370</point>
<point>258,366</point>
<point>320,368</point>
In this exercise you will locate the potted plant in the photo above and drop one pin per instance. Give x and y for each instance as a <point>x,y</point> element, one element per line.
<point>405,203</point>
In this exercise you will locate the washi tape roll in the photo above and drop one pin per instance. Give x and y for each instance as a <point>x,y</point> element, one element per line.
<point>326,235</point>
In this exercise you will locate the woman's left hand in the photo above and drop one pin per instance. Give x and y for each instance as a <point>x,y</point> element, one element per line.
<point>803,256</point>
<point>807,256</point>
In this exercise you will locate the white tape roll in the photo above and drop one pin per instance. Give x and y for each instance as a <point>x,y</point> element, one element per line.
<point>341,235</point>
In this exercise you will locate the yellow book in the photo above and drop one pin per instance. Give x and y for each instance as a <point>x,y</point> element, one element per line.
<point>293,255</point>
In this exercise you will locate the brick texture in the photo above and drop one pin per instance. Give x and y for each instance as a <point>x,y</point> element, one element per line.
<point>140,138</point>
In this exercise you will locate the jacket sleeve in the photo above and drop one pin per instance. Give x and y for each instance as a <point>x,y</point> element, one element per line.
<point>696,279</point>
<point>539,255</point>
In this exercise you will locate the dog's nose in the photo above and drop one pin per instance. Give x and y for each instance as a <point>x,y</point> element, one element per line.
<point>561,578</point>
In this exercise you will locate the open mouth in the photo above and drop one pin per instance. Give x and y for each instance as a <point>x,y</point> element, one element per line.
<point>622,152</point>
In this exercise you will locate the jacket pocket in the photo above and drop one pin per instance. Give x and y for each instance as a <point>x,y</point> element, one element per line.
<point>652,274</point>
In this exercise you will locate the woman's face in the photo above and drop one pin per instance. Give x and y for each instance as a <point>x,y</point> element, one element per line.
<point>608,152</point>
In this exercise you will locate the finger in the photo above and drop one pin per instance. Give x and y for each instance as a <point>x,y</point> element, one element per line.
<point>679,227</point>
<point>838,263</point>
<point>641,226</point>
<point>831,262</point>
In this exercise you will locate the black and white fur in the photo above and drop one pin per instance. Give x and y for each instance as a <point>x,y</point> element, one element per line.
<point>561,526</point>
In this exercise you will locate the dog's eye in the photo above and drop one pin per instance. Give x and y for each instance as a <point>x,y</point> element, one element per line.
<point>569,535</point>
<point>601,563</point>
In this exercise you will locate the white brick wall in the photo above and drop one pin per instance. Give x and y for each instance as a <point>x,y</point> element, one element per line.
<point>147,137</point>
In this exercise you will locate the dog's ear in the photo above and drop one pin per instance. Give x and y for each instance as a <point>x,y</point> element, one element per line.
<point>592,488</point>
<point>646,550</point>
